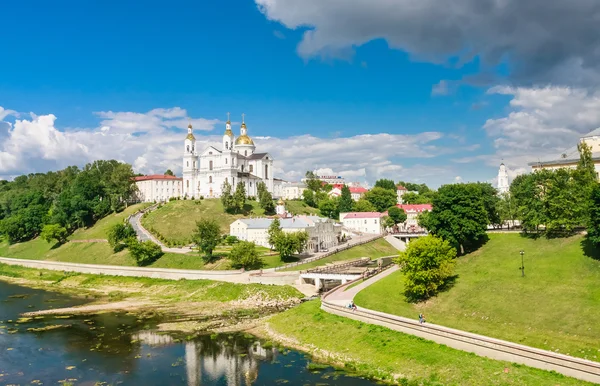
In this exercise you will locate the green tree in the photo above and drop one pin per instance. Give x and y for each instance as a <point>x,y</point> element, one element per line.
<point>593,226</point>
<point>527,193</point>
<point>118,235</point>
<point>312,182</point>
<point>397,214</point>
<point>427,264</point>
<point>274,231</point>
<point>231,240</point>
<point>207,236</point>
<point>244,255</point>
<point>52,232</point>
<point>265,199</point>
<point>506,209</point>
<point>386,184</point>
<point>381,198</point>
<point>459,216</point>
<point>363,205</point>
<point>169,173</point>
<point>346,202</point>
<point>288,243</point>
<point>388,222</point>
<point>227,198</point>
<point>586,179</point>
<point>144,252</point>
<point>239,197</point>
<point>423,219</point>
<point>308,196</point>
<point>329,208</point>
<point>489,196</point>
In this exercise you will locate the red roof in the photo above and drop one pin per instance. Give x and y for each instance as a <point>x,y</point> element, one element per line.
<point>400,187</point>
<point>415,207</point>
<point>339,186</point>
<point>358,189</point>
<point>156,177</point>
<point>363,215</point>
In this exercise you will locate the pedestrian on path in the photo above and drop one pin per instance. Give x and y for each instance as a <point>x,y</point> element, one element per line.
<point>421,318</point>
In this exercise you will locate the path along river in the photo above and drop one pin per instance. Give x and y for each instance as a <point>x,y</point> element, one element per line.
<point>123,349</point>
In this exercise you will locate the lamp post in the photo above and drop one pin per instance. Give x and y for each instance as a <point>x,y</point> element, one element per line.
<point>522,264</point>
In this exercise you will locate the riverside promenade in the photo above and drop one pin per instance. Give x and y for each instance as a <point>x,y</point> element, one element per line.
<point>336,301</point>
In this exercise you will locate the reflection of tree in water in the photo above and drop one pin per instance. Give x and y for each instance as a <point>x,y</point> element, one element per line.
<point>106,340</point>
<point>233,358</point>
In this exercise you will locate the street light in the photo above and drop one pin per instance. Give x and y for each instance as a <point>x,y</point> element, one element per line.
<point>522,265</point>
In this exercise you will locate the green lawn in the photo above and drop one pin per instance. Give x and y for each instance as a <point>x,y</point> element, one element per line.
<point>299,207</point>
<point>100,229</point>
<point>374,249</point>
<point>554,307</point>
<point>176,220</point>
<point>377,351</point>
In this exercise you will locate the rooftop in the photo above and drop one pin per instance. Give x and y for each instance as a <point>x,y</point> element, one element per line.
<point>352,215</point>
<point>415,207</point>
<point>157,177</point>
<point>357,189</point>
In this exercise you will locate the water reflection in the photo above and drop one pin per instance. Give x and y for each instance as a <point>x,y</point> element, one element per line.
<point>125,349</point>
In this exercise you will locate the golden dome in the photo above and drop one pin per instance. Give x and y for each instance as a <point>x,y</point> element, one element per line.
<point>243,125</point>
<point>280,202</point>
<point>229,132</point>
<point>190,126</point>
<point>244,140</point>
<point>191,137</point>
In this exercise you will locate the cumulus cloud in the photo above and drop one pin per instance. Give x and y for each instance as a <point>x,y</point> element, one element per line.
<point>153,142</point>
<point>542,124</point>
<point>540,40</point>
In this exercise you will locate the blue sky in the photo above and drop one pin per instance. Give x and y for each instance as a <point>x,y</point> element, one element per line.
<point>307,78</point>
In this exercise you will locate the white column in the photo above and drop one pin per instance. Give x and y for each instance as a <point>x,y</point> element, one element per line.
<point>318,285</point>
<point>344,281</point>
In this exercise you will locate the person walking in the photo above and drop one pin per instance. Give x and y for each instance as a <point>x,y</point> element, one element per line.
<point>421,318</point>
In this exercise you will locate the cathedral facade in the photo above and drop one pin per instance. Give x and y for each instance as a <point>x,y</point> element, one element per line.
<point>204,173</point>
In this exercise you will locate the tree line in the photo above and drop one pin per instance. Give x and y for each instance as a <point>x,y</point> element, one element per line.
<point>63,201</point>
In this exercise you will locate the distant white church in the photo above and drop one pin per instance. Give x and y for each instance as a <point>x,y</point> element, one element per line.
<point>503,185</point>
<point>204,173</point>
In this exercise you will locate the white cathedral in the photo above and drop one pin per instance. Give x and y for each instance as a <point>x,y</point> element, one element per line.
<point>204,173</point>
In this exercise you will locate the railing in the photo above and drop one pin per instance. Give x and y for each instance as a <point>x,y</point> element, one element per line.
<point>481,345</point>
<point>353,263</point>
<point>331,253</point>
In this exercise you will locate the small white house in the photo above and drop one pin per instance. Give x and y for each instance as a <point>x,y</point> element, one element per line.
<point>363,222</point>
<point>158,187</point>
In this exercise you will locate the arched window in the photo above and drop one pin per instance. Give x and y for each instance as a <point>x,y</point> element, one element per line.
<point>251,168</point>
<point>188,148</point>
<point>210,165</point>
<point>210,179</point>
<point>225,161</point>
<point>187,183</point>
<point>242,168</point>
<point>266,172</point>
<point>194,164</point>
<point>246,153</point>
<point>187,164</point>
<point>226,145</point>
<point>225,179</point>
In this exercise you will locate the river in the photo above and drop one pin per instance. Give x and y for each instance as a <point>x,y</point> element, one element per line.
<point>120,349</point>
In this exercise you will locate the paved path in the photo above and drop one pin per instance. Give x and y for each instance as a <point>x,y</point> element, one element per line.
<point>336,301</point>
<point>144,235</point>
<point>399,245</point>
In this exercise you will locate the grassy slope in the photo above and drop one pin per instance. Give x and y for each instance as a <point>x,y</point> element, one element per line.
<point>159,289</point>
<point>374,249</point>
<point>176,220</point>
<point>375,350</point>
<point>554,307</point>
<point>100,229</point>
<point>299,207</point>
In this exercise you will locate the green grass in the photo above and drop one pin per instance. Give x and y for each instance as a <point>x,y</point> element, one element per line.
<point>100,229</point>
<point>554,307</point>
<point>176,220</point>
<point>299,207</point>
<point>374,249</point>
<point>171,290</point>
<point>377,351</point>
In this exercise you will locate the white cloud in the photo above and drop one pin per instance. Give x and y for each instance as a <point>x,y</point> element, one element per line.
<point>543,41</point>
<point>153,142</point>
<point>440,88</point>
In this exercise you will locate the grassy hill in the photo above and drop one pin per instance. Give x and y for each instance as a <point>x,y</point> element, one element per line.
<point>374,250</point>
<point>176,220</point>
<point>299,207</point>
<point>554,307</point>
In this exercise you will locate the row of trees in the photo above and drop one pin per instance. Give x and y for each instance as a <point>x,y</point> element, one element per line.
<point>234,202</point>
<point>70,198</point>
<point>121,236</point>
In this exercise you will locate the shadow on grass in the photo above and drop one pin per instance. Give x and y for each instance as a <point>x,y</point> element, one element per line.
<point>57,245</point>
<point>589,249</point>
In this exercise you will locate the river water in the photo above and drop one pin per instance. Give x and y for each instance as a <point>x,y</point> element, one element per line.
<point>120,349</point>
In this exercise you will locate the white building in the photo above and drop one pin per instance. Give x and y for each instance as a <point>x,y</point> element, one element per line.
<point>357,192</point>
<point>570,157</point>
<point>292,190</point>
<point>363,222</point>
<point>412,213</point>
<point>503,185</point>
<point>158,187</point>
<point>329,179</point>
<point>322,232</point>
<point>236,161</point>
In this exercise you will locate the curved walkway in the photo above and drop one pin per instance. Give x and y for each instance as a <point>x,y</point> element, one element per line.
<point>336,301</point>
<point>144,235</point>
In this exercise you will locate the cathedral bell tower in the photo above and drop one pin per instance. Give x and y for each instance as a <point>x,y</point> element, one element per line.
<point>228,136</point>
<point>244,144</point>
<point>190,165</point>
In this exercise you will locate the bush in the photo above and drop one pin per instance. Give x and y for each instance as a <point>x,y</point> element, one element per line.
<point>197,202</point>
<point>230,240</point>
<point>244,255</point>
<point>54,232</point>
<point>145,252</point>
<point>202,197</point>
<point>118,234</point>
<point>427,264</point>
